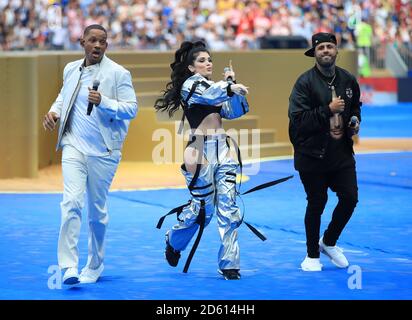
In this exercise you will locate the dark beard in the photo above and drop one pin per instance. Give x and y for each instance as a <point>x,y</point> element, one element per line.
<point>326,65</point>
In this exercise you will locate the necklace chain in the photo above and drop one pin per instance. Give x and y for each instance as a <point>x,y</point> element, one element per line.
<point>333,79</point>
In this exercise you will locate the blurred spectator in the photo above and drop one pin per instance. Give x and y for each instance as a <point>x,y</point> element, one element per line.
<point>364,37</point>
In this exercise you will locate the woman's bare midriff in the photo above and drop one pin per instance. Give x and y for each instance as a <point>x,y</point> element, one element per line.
<point>210,125</point>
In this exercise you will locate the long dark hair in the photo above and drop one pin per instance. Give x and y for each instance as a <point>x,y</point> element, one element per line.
<point>184,57</point>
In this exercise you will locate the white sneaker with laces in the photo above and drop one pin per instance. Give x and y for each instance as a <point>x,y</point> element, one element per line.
<point>334,253</point>
<point>311,264</point>
<point>90,275</point>
<point>71,276</point>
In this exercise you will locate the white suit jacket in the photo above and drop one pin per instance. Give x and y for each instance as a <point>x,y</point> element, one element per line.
<point>117,107</point>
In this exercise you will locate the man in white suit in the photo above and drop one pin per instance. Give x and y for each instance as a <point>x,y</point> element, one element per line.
<point>91,139</point>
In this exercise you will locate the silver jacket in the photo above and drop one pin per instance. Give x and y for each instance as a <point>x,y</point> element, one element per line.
<point>215,94</point>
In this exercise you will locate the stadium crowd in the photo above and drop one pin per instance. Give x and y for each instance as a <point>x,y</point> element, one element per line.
<point>223,24</point>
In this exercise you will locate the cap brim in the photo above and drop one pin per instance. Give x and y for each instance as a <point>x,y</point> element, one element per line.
<point>310,52</point>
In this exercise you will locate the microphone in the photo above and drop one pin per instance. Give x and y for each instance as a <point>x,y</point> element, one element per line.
<point>96,84</point>
<point>228,79</point>
<point>353,121</point>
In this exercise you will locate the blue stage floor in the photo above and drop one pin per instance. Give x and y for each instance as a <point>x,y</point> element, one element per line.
<point>393,121</point>
<point>377,242</point>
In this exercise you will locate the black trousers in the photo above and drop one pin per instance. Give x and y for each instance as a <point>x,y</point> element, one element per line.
<point>316,185</point>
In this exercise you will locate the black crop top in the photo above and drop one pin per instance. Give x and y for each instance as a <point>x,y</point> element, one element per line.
<point>197,112</point>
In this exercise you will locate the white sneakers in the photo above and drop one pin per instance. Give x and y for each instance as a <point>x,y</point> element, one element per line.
<point>90,275</point>
<point>71,277</point>
<point>311,264</point>
<point>334,253</point>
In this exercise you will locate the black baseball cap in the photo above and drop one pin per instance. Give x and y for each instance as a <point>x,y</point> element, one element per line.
<point>318,38</point>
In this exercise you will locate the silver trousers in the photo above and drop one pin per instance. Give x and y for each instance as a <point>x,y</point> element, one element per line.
<point>216,186</point>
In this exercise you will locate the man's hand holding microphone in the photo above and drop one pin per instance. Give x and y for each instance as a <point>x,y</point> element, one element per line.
<point>354,125</point>
<point>94,96</point>
<point>50,119</point>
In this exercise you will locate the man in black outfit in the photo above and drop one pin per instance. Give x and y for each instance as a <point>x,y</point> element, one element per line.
<point>324,114</point>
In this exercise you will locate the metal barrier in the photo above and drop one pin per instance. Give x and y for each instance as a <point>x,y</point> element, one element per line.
<point>406,55</point>
<point>394,62</point>
<point>378,58</point>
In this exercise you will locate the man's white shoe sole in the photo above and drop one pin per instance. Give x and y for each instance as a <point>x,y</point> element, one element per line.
<point>311,269</point>
<point>87,281</point>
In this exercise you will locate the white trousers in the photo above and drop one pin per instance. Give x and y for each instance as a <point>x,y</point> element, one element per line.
<point>84,175</point>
